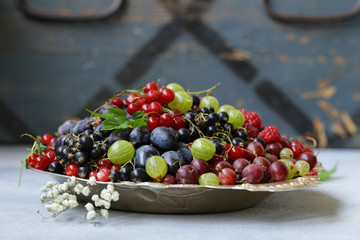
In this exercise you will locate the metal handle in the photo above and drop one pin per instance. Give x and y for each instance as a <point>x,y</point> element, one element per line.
<point>284,18</point>
<point>61,15</point>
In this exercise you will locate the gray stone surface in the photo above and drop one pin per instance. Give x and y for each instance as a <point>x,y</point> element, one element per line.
<point>330,211</point>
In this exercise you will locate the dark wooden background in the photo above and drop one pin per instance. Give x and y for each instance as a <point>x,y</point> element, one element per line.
<point>302,78</point>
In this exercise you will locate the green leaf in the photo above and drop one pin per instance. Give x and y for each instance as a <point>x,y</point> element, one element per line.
<point>116,119</point>
<point>97,114</point>
<point>325,175</point>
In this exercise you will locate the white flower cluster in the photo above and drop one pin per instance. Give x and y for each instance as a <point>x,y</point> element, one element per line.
<point>61,197</point>
<point>58,196</point>
<point>104,201</point>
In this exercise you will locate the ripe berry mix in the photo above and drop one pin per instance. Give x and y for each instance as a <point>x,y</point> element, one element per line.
<point>166,134</point>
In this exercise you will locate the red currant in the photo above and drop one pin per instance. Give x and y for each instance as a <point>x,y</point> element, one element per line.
<point>116,167</point>
<point>178,123</point>
<point>141,101</point>
<point>151,86</point>
<point>167,95</point>
<point>104,163</point>
<point>93,174</point>
<point>132,108</point>
<point>176,113</point>
<point>118,102</point>
<point>132,98</point>
<point>50,154</point>
<point>152,96</point>
<point>153,122</point>
<point>103,175</point>
<point>237,152</point>
<point>39,162</point>
<point>155,109</point>
<point>166,120</point>
<point>47,138</point>
<point>71,169</point>
<point>145,108</point>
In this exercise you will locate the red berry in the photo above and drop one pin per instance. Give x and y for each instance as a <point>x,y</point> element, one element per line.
<point>141,101</point>
<point>310,158</point>
<point>116,167</point>
<point>155,109</point>
<point>39,162</point>
<point>178,123</point>
<point>71,169</point>
<point>166,96</point>
<point>103,175</point>
<point>253,119</point>
<point>50,154</point>
<point>145,108</point>
<point>152,96</point>
<point>176,113</point>
<point>118,102</point>
<point>270,134</point>
<point>104,163</point>
<point>132,108</point>
<point>297,148</point>
<point>255,149</point>
<point>226,148</point>
<point>132,98</point>
<point>252,131</point>
<point>47,138</point>
<point>93,174</point>
<point>278,171</point>
<point>153,122</point>
<point>227,176</point>
<point>308,150</point>
<point>237,152</point>
<point>253,173</point>
<point>151,86</point>
<point>166,120</point>
<point>169,179</point>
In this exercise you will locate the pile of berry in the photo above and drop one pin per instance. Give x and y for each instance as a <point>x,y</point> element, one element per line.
<point>171,136</point>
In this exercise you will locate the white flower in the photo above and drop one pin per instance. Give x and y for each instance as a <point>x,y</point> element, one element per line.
<point>91,215</point>
<point>111,188</point>
<point>78,188</point>
<point>57,207</point>
<point>89,207</point>
<point>86,191</point>
<point>95,197</point>
<point>63,187</point>
<point>48,207</point>
<point>73,204</point>
<point>72,180</point>
<point>58,199</point>
<point>72,197</point>
<point>106,195</point>
<point>115,196</point>
<point>104,213</point>
<point>43,198</point>
<point>49,184</point>
<point>43,188</point>
<point>92,181</point>
<point>106,204</point>
<point>66,203</point>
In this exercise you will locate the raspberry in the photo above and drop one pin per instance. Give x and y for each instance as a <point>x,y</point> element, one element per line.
<point>252,131</point>
<point>253,119</point>
<point>270,134</point>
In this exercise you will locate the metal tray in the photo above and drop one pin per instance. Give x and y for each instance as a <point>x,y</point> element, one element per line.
<point>150,197</point>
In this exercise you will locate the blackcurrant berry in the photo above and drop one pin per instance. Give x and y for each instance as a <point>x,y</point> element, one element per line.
<point>224,117</point>
<point>84,171</point>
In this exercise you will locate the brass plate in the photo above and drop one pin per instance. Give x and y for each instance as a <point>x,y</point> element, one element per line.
<point>152,197</point>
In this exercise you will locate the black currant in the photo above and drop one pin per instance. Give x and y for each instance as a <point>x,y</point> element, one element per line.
<point>238,141</point>
<point>84,171</point>
<point>125,172</point>
<point>224,117</point>
<point>55,167</point>
<point>183,135</point>
<point>114,175</point>
<point>242,134</point>
<point>218,145</point>
<point>260,140</point>
<point>86,143</point>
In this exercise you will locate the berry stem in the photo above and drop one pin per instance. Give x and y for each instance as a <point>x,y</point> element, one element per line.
<point>205,91</point>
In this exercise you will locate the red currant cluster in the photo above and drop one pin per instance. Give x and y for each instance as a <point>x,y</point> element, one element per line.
<point>151,102</point>
<point>43,158</point>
